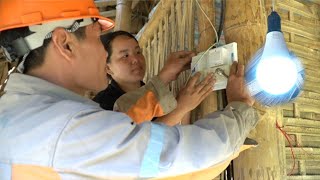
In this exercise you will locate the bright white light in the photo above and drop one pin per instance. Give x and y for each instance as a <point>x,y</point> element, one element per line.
<point>276,75</point>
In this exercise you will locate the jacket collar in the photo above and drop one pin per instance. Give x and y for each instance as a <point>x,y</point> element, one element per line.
<point>25,84</point>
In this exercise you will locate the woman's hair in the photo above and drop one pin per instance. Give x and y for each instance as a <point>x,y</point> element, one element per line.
<point>108,38</point>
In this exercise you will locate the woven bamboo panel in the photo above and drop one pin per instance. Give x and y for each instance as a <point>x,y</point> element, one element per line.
<point>170,29</point>
<point>301,119</point>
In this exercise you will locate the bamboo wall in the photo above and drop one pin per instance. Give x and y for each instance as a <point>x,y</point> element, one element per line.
<point>301,119</point>
<point>246,24</point>
<point>170,29</point>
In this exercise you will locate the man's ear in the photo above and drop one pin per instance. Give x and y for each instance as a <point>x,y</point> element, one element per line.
<point>109,71</point>
<point>63,42</point>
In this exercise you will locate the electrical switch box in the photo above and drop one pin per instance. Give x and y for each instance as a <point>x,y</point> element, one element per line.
<point>217,61</point>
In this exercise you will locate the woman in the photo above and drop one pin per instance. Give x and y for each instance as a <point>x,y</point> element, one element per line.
<point>126,68</point>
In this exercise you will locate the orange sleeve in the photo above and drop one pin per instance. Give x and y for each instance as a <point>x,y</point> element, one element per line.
<point>152,100</point>
<point>146,108</point>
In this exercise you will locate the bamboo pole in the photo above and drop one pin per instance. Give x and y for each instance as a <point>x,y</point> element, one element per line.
<point>245,24</point>
<point>163,9</point>
<point>207,37</point>
<point>123,15</point>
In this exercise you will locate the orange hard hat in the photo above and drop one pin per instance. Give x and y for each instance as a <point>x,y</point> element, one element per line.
<point>23,13</point>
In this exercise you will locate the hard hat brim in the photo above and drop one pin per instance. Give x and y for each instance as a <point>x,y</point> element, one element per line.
<point>35,12</point>
<point>105,23</point>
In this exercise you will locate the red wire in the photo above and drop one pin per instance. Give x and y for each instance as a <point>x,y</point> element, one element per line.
<point>291,147</point>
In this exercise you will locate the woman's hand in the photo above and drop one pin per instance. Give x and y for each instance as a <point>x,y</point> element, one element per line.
<point>194,93</point>
<point>175,64</point>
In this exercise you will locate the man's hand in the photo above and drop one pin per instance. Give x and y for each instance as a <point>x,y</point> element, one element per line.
<point>175,64</point>
<point>236,89</point>
<point>194,93</point>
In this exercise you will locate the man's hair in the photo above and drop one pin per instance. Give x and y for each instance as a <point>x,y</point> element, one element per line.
<point>108,38</point>
<point>36,57</point>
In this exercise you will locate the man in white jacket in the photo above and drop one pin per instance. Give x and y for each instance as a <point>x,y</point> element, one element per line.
<point>49,131</point>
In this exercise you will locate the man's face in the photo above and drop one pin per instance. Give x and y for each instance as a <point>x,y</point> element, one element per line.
<point>127,64</point>
<point>90,61</point>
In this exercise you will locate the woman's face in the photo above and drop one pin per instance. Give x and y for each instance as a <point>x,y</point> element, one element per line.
<point>127,64</point>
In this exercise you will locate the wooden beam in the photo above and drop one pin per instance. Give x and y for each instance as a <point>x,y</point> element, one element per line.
<point>123,15</point>
<point>299,122</point>
<point>308,151</point>
<point>304,108</point>
<point>248,28</point>
<point>306,177</point>
<point>134,4</point>
<point>153,23</point>
<point>105,3</point>
<point>111,13</point>
<point>302,130</point>
<point>207,37</point>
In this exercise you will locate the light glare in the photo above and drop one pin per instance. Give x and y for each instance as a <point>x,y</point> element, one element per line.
<point>276,75</point>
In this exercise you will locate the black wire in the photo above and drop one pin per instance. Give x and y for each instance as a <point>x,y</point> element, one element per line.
<point>222,16</point>
<point>229,172</point>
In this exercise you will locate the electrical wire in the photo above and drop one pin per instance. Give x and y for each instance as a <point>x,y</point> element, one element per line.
<point>273,5</point>
<point>289,139</point>
<point>291,147</point>
<point>216,34</point>
<point>214,29</point>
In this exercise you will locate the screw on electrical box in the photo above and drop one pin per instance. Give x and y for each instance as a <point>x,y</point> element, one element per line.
<point>221,72</point>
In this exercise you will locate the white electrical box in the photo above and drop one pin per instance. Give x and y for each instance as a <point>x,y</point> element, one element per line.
<point>218,61</point>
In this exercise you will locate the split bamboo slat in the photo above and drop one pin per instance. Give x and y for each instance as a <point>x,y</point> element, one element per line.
<point>168,30</point>
<point>4,68</point>
<point>3,75</point>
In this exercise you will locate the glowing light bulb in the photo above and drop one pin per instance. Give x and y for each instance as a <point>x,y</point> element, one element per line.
<point>277,75</point>
<point>274,75</point>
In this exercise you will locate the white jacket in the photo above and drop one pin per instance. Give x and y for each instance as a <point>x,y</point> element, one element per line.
<point>48,131</point>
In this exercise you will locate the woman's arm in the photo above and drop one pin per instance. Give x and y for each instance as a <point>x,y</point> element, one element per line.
<point>188,99</point>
